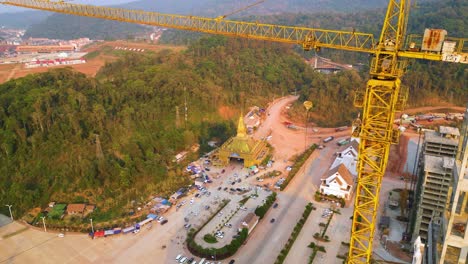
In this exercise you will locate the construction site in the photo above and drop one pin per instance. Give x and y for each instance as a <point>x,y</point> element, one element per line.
<point>430,192</point>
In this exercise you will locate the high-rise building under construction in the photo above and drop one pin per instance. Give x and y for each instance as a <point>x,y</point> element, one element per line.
<point>447,237</point>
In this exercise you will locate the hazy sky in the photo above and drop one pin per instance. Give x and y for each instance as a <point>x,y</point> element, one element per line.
<point>5,8</point>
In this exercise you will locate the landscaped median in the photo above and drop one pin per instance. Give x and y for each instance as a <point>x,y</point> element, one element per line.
<point>261,210</point>
<point>220,253</point>
<point>300,160</point>
<point>297,229</point>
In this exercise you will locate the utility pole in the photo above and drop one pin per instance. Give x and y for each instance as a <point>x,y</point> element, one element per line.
<point>185,105</point>
<point>43,221</point>
<point>9,208</point>
<point>92,227</point>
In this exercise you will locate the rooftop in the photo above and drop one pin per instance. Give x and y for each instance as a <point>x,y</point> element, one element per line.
<point>435,137</point>
<point>449,131</point>
<point>250,218</point>
<point>343,171</point>
<point>438,164</point>
<point>76,207</point>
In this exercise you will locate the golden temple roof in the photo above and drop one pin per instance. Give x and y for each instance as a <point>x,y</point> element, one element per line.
<point>241,143</point>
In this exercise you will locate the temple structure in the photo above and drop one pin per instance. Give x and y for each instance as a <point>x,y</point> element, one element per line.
<point>243,147</point>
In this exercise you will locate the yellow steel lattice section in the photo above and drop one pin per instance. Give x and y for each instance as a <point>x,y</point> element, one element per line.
<point>307,37</point>
<point>376,132</point>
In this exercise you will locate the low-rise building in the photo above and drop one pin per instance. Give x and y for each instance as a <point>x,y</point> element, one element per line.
<point>249,222</point>
<point>337,181</point>
<point>180,156</point>
<point>76,209</point>
<point>348,156</point>
<point>199,181</point>
<point>177,195</point>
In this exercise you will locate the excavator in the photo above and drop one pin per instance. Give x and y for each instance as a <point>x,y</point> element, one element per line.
<point>382,97</point>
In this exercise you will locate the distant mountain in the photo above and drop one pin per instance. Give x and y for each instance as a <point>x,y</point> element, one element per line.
<point>61,26</point>
<point>71,27</point>
<point>22,19</point>
<point>221,7</point>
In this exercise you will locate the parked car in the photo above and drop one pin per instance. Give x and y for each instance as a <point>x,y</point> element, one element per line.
<point>207,169</point>
<point>232,261</point>
<point>219,188</point>
<point>225,188</point>
<point>272,220</point>
<point>178,257</point>
<point>163,221</point>
<point>275,205</point>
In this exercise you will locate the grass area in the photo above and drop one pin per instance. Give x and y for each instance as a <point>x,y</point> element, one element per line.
<point>92,55</point>
<point>57,211</point>
<point>315,248</point>
<point>15,233</point>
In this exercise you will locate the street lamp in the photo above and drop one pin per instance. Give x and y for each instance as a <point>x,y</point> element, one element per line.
<point>43,221</point>
<point>308,105</point>
<point>92,228</point>
<point>9,208</point>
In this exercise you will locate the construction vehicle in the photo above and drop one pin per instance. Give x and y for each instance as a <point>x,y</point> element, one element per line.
<point>381,99</point>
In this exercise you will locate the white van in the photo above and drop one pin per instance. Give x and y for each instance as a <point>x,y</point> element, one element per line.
<point>202,261</point>
<point>178,257</point>
<point>182,260</point>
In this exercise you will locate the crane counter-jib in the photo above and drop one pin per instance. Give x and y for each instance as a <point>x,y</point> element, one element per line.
<point>309,38</point>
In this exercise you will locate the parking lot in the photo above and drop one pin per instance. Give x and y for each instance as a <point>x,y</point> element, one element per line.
<point>229,220</point>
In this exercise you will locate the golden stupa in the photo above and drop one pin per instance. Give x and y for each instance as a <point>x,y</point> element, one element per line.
<point>243,147</point>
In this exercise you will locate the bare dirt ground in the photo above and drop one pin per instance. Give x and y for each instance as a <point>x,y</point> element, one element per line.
<point>226,112</point>
<point>90,68</point>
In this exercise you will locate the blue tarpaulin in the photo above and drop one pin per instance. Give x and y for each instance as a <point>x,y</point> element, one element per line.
<point>152,216</point>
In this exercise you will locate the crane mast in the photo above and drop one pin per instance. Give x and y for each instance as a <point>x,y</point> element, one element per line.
<point>381,99</point>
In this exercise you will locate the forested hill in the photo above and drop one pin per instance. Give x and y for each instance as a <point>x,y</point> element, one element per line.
<point>49,121</point>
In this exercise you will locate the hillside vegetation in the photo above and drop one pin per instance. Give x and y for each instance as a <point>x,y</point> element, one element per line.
<point>49,121</point>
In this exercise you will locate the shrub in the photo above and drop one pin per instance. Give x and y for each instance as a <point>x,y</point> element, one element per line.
<point>297,165</point>
<point>209,238</point>
<point>261,210</point>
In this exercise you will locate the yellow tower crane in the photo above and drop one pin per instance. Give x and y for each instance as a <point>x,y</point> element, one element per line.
<point>380,101</point>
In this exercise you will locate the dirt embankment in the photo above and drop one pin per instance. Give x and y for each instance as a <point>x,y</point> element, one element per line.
<point>398,156</point>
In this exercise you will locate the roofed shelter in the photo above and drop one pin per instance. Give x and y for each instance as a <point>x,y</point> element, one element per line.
<point>243,147</point>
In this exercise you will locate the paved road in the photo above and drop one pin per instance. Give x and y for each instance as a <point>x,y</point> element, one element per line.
<point>147,246</point>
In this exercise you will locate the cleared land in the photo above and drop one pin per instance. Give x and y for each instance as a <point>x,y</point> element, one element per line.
<point>92,65</point>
